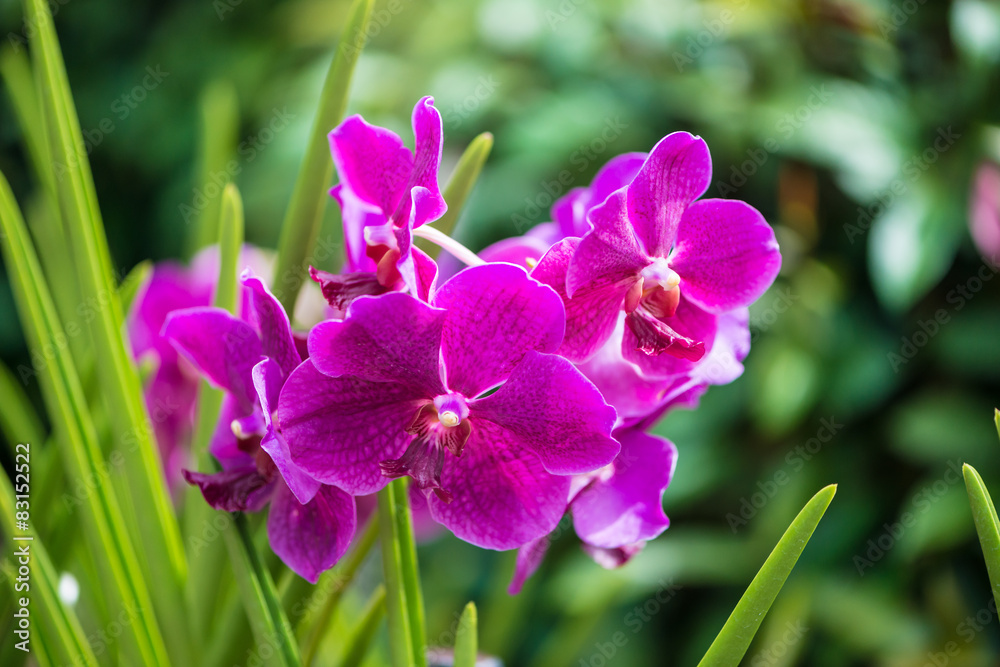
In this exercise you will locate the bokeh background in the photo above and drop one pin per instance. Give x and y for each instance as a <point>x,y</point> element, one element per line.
<point>855,127</point>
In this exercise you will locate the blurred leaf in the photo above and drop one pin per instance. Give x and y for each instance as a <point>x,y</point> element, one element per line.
<point>987,525</point>
<point>163,562</point>
<point>466,639</point>
<point>733,640</point>
<point>402,638</point>
<point>942,425</point>
<point>301,225</point>
<point>361,639</point>
<point>109,542</point>
<point>219,122</point>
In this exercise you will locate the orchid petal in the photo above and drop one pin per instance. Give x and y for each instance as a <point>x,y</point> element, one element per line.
<point>610,252</point>
<point>277,341</point>
<point>310,538</point>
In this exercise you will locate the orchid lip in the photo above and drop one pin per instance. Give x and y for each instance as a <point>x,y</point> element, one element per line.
<point>659,272</point>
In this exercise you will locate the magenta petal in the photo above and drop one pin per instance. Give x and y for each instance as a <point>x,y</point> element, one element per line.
<point>310,538</point>
<point>372,162</point>
<point>237,490</point>
<point>677,172</point>
<point>223,347</point>
<point>570,212</point>
<point>416,267</point>
<point>591,313</point>
<point>551,409</point>
<point>224,446</point>
<point>726,254</point>
<point>390,338</point>
<point>503,498</point>
<point>689,321</point>
<point>496,314</point>
<point>610,253</point>
<point>611,559</point>
<point>427,158</point>
<point>268,379</point>
<point>357,215</point>
<point>425,274</point>
<point>626,507</point>
<point>529,558</point>
<point>339,429</point>
<point>272,321</point>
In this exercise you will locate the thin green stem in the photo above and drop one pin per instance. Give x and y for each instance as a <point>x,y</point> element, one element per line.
<point>400,636</point>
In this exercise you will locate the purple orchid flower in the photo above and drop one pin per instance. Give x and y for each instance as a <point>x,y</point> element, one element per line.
<point>616,509</point>
<point>310,524</point>
<point>385,191</point>
<point>671,263</point>
<point>172,391</point>
<point>462,395</point>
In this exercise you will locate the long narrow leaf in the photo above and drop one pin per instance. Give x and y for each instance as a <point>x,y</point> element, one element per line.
<point>733,641</point>
<point>361,638</point>
<point>467,637</point>
<point>163,560</point>
<point>219,123</point>
<point>459,186</point>
<point>260,599</point>
<point>987,525</point>
<point>81,453</point>
<point>61,631</point>
<point>400,636</point>
<point>300,228</point>
<point>18,420</point>
<point>410,571</point>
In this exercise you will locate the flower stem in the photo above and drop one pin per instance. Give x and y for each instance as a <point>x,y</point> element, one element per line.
<point>459,251</point>
<point>404,601</point>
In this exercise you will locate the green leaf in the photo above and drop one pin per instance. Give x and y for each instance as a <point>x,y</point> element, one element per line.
<point>467,639</point>
<point>400,635</point>
<point>301,225</point>
<point>219,124</point>
<point>18,420</point>
<point>996,420</point>
<point>109,543</point>
<point>230,243</point>
<point>733,641</point>
<point>60,630</point>
<point>135,279</point>
<point>163,560</point>
<point>361,638</point>
<point>987,525</point>
<point>459,186</point>
<point>410,571</point>
<point>260,598</point>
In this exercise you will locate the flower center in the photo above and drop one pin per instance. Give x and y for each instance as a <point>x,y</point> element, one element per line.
<point>439,425</point>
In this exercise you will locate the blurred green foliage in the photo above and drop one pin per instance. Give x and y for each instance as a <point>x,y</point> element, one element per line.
<point>853,126</point>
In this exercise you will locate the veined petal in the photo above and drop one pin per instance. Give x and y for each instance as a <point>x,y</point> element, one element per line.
<point>502,496</point>
<point>529,558</point>
<point>277,342</point>
<point>627,506</point>
<point>427,159</point>
<point>416,267</point>
<point>552,410</point>
<point>356,215</point>
<point>268,379</point>
<point>689,322</point>
<point>225,349</point>
<point>591,313</point>
<point>310,538</point>
<point>610,252</point>
<point>570,212</point>
<point>339,429</point>
<point>495,314</point>
<point>677,172</point>
<point>390,338</point>
<point>237,490</point>
<point>372,161</point>
<point>726,254</point>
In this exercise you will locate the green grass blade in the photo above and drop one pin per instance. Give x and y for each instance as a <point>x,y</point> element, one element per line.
<point>996,420</point>
<point>987,525</point>
<point>459,186</point>
<point>301,225</point>
<point>361,638</point>
<point>80,451</point>
<point>733,641</point>
<point>410,571</point>
<point>18,79</point>
<point>60,630</point>
<point>230,243</point>
<point>400,637</point>
<point>219,125</point>
<point>467,637</point>
<point>158,536</point>
<point>260,598</point>
<point>18,420</point>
